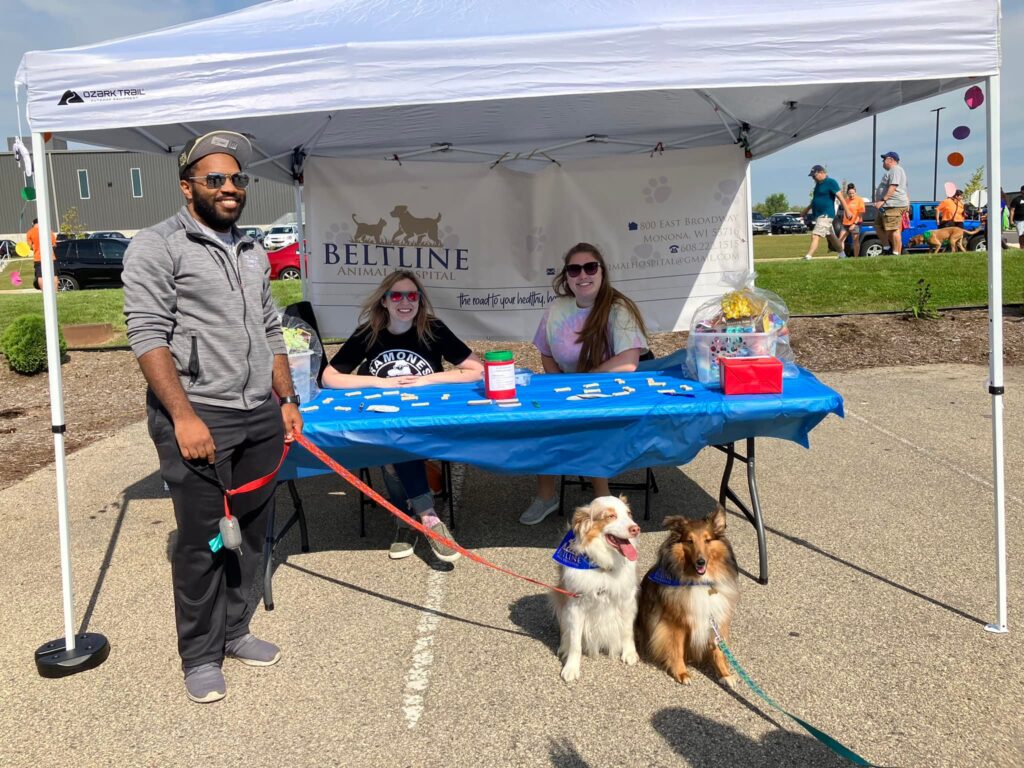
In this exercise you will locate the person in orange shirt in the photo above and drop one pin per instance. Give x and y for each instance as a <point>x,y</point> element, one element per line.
<point>950,212</point>
<point>851,221</point>
<point>32,237</point>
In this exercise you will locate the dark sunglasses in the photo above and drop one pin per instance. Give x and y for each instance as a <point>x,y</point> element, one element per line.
<point>591,267</point>
<point>411,296</point>
<point>216,180</point>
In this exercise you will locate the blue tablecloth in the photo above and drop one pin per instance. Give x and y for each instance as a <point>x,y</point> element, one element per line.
<point>550,434</point>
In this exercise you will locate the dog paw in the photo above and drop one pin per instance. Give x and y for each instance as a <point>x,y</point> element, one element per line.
<point>729,681</point>
<point>630,656</point>
<point>571,672</point>
<point>682,677</point>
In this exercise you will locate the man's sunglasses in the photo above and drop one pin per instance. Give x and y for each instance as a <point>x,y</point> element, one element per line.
<point>591,267</point>
<point>411,296</point>
<point>216,180</point>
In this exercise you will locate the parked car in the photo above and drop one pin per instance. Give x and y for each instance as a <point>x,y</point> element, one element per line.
<point>922,220</point>
<point>284,263</point>
<point>761,224</point>
<point>107,236</point>
<point>280,236</point>
<point>7,249</point>
<point>786,224</point>
<point>256,233</point>
<point>90,262</point>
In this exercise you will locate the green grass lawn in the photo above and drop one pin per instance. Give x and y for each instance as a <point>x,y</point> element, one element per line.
<point>22,266</point>
<point>825,285</point>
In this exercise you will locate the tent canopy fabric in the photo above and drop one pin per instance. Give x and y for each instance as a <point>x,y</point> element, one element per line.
<point>378,78</point>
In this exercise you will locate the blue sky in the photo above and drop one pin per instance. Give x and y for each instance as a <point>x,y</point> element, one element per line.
<point>846,152</point>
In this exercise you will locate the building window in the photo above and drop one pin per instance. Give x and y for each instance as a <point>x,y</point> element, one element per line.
<point>83,184</point>
<point>136,182</point>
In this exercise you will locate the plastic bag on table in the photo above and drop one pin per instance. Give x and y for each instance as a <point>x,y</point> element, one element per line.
<point>304,355</point>
<point>744,321</point>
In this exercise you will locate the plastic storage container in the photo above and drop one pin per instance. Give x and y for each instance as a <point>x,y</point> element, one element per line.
<point>708,346</point>
<point>500,375</point>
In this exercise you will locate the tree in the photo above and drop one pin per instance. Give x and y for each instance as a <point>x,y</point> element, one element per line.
<point>977,181</point>
<point>774,203</point>
<point>71,225</point>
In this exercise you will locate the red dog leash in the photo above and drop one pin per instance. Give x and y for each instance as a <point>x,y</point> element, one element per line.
<point>364,488</point>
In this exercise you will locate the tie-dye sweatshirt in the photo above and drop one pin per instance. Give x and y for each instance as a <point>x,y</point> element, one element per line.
<point>558,333</point>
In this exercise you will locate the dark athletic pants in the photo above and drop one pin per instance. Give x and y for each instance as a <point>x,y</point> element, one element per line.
<point>211,590</point>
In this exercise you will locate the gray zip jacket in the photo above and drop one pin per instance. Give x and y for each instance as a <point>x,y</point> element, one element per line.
<point>185,290</point>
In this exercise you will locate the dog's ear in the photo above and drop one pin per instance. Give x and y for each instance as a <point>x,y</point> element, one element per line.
<point>675,523</point>
<point>717,520</point>
<point>582,521</point>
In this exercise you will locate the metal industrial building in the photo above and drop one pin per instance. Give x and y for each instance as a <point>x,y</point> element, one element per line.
<point>122,191</point>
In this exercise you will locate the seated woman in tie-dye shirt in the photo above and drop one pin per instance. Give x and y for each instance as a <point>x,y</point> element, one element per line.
<point>590,327</point>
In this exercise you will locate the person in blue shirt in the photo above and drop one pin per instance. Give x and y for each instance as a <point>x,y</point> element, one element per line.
<point>823,209</point>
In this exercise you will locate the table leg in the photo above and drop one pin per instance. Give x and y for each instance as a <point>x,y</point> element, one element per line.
<point>752,513</point>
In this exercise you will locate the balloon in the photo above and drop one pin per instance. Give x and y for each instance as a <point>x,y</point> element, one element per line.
<point>950,188</point>
<point>974,97</point>
<point>961,132</point>
<point>22,249</point>
<point>955,159</point>
<point>46,137</point>
<point>16,278</point>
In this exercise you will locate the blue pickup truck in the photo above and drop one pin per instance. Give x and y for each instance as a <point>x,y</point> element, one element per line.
<point>922,220</point>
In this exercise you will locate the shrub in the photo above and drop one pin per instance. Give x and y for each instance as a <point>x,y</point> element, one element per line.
<point>24,344</point>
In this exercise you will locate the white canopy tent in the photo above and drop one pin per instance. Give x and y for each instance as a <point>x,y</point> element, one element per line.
<point>526,83</point>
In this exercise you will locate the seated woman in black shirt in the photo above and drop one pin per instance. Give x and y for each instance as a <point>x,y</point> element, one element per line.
<point>400,343</point>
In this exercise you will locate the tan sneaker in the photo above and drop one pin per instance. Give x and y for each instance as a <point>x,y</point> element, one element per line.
<point>404,543</point>
<point>447,554</point>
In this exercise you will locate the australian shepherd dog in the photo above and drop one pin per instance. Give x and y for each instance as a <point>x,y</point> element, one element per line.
<point>694,582</point>
<point>597,562</point>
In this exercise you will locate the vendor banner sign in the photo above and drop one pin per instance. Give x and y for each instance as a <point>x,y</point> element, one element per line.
<point>487,242</point>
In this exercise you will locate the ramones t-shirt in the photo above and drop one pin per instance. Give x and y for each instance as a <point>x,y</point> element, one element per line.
<point>399,355</point>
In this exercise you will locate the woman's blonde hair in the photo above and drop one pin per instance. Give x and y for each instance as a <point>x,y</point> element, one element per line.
<point>374,315</point>
<point>596,346</point>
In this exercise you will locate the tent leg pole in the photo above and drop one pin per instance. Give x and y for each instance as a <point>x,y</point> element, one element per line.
<point>995,359</point>
<point>72,653</point>
<point>301,228</point>
<point>750,220</point>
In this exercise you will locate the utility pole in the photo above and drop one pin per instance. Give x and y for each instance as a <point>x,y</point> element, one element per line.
<point>935,175</point>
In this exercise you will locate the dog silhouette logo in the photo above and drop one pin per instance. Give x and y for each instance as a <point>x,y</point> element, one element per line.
<point>70,97</point>
<point>368,233</point>
<point>413,230</point>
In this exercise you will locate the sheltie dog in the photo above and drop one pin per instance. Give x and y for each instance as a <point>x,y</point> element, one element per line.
<point>597,561</point>
<point>694,581</point>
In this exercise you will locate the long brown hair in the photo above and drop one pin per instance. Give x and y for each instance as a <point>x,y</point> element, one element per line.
<point>374,315</point>
<point>596,345</point>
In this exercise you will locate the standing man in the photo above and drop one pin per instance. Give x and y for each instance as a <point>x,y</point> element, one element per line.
<point>892,200</point>
<point>851,221</point>
<point>32,238</point>
<point>950,212</point>
<point>203,325</point>
<point>823,209</point>
<point>1017,216</point>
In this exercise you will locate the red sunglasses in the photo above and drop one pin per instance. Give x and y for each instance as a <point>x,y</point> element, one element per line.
<point>591,267</point>
<point>411,296</point>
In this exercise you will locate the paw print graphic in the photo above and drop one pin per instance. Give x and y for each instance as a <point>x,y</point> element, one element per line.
<point>536,240</point>
<point>726,191</point>
<point>448,237</point>
<point>657,190</point>
<point>337,233</point>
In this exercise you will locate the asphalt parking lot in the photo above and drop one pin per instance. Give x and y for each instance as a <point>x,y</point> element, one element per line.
<point>871,626</point>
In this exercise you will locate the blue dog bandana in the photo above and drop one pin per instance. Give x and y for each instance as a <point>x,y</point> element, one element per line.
<point>660,577</point>
<point>565,556</point>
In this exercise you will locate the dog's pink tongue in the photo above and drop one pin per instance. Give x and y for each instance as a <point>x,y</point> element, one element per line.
<point>628,549</point>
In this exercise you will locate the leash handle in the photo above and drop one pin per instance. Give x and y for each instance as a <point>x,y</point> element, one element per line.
<point>416,524</point>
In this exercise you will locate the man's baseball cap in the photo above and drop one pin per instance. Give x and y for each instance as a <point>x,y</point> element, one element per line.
<point>850,186</point>
<point>817,169</point>
<point>215,143</point>
<point>893,155</point>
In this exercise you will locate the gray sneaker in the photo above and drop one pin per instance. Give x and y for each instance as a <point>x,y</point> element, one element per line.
<point>404,543</point>
<point>447,554</point>
<point>538,510</point>
<point>205,684</point>
<point>250,650</point>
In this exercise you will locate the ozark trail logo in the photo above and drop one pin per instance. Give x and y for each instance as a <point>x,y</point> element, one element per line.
<point>101,94</point>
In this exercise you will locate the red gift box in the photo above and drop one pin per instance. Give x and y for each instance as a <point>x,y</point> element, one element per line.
<point>759,375</point>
